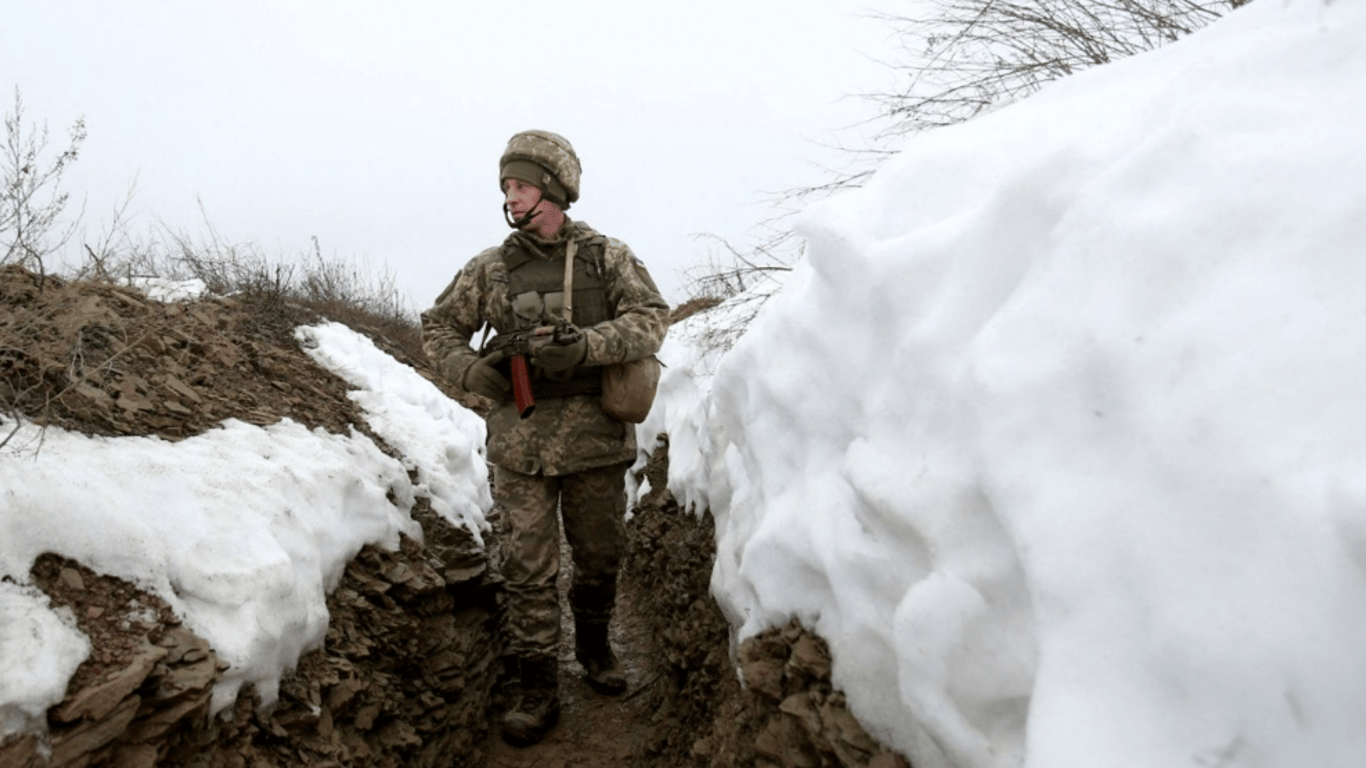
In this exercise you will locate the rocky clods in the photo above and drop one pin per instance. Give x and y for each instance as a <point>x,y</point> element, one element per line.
<point>147,677</point>
<point>404,678</point>
<point>105,359</point>
<point>801,720</point>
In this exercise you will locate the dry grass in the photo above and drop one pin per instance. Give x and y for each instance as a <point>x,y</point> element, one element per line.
<point>276,297</point>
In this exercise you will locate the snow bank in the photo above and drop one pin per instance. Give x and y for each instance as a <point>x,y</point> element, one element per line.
<point>242,530</point>
<point>440,439</point>
<point>1056,436</point>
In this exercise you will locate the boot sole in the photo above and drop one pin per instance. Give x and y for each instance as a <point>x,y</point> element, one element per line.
<point>532,735</point>
<point>606,689</point>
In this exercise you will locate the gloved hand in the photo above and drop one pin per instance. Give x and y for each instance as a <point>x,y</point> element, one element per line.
<point>561,357</point>
<point>483,378</point>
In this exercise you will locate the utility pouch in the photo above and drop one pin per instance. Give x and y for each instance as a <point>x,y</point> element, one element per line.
<point>628,389</point>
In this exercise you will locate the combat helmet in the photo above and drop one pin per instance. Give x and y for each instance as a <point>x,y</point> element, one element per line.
<point>545,160</point>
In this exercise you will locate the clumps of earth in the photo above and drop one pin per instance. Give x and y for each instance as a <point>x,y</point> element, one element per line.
<point>410,673</point>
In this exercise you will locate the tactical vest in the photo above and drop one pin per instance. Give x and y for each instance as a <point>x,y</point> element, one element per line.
<point>528,275</point>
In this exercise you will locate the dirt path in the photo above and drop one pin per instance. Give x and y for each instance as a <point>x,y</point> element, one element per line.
<point>594,731</point>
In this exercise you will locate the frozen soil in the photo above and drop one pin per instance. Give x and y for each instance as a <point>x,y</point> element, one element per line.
<point>410,673</point>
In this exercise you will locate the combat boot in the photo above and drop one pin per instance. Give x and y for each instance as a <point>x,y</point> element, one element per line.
<point>594,652</point>
<point>538,707</point>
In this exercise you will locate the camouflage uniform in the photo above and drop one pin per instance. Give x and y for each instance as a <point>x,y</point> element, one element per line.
<point>569,452</point>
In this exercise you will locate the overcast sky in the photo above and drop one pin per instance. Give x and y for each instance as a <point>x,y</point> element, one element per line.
<point>377,127</point>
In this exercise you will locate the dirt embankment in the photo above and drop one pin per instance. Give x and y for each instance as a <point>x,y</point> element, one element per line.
<point>409,674</point>
<point>787,715</point>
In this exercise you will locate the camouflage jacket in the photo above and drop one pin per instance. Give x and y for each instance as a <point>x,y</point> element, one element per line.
<point>568,434</point>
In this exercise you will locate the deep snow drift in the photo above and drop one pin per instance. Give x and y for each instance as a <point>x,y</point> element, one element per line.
<point>1057,435</point>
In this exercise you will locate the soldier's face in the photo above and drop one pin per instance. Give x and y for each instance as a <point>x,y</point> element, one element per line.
<point>520,197</point>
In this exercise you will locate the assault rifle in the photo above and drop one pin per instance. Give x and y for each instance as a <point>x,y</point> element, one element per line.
<point>518,345</point>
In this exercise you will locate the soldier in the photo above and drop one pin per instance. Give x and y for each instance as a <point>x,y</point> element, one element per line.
<point>568,453</point>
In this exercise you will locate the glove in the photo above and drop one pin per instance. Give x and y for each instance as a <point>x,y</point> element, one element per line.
<point>561,357</point>
<point>482,378</point>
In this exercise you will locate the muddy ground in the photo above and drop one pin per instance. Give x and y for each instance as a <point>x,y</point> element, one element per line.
<point>410,672</point>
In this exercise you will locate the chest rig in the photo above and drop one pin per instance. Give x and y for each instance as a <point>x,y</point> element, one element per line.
<point>536,293</point>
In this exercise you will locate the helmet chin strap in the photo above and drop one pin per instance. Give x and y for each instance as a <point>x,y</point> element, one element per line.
<point>531,213</point>
<point>518,223</point>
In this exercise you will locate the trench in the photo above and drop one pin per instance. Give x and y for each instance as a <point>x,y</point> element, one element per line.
<point>410,671</point>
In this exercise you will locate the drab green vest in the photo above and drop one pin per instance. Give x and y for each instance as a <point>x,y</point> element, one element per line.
<point>545,277</point>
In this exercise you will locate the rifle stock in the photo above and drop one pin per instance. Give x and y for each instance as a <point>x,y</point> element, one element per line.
<point>521,386</point>
<point>517,346</point>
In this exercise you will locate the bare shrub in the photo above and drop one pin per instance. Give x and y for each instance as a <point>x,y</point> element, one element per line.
<point>281,292</point>
<point>969,56</point>
<point>32,201</point>
<point>958,59</point>
<point>730,288</point>
<point>286,293</point>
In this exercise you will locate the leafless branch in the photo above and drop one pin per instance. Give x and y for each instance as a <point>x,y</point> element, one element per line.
<point>958,60</point>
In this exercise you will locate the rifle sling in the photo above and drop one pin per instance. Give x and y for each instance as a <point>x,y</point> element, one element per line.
<point>569,249</point>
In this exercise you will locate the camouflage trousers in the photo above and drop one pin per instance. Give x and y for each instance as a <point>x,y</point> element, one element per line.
<point>593,506</point>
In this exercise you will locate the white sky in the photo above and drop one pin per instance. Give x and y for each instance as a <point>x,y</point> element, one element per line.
<point>1055,436</point>
<point>377,127</point>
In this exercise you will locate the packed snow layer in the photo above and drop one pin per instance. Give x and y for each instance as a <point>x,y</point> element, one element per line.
<point>1057,434</point>
<point>438,438</point>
